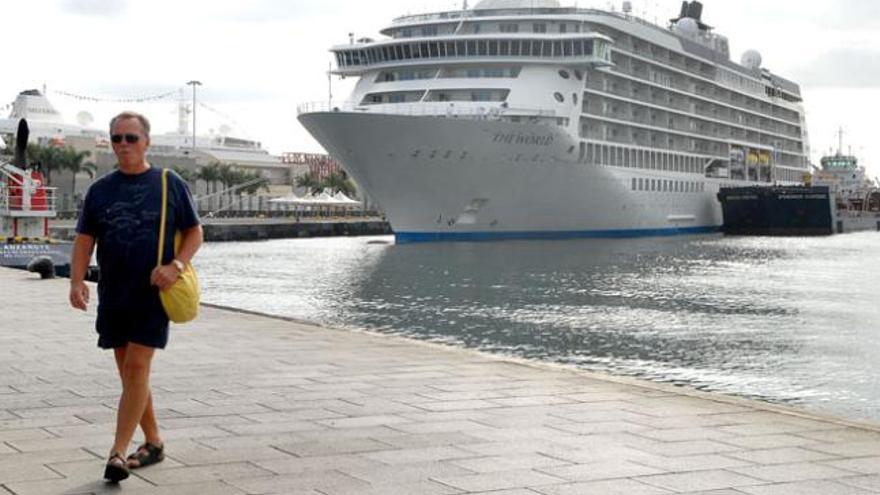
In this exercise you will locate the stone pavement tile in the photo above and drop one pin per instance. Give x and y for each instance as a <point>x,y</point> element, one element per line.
<point>458,405</point>
<point>212,472</point>
<point>419,455</point>
<point>405,473</point>
<point>335,446</point>
<point>514,447</point>
<point>499,481</point>
<point>700,480</point>
<point>26,434</point>
<point>691,463</point>
<point>429,440</point>
<point>218,421</point>
<point>863,465</point>
<point>781,473</point>
<point>768,428</point>
<point>298,415</point>
<point>250,428</point>
<point>786,455</point>
<point>369,432</point>
<point>683,434</point>
<point>582,416</point>
<point>440,396</point>
<point>440,426</point>
<point>78,477</point>
<point>200,488</point>
<point>693,447</point>
<point>811,487</point>
<point>600,470</point>
<point>849,449</point>
<point>328,482</point>
<point>73,442</point>
<point>589,455</point>
<point>715,492</point>
<point>536,400</point>
<point>865,482</point>
<point>491,464</point>
<point>246,441</point>
<point>605,487</point>
<point>768,441</point>
<point>600,427</point>
<point>362,421</point>
<point>841,435</point>
<point>30,423</point>
<point>25,471</point>
<point>198,455</point>
<point>343,462</point>
<point>420,488</point>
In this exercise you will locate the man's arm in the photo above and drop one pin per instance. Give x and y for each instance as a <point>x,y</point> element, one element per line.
<point>83,246</point>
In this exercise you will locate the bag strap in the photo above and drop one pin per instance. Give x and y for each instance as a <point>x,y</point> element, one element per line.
<point>164,214</point>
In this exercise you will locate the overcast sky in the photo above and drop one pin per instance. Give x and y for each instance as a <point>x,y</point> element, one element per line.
<point>259,59</point>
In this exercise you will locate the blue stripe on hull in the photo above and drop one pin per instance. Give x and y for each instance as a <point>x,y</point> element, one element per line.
<point>410,237</point>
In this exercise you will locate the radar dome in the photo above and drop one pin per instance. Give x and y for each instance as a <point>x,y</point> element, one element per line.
<point>84,119</point>
<point>516,4</point>
<point>751,59</point>
<point>687,27</point>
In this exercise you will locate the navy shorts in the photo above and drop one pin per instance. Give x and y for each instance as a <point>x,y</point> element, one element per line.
<point>145,324</point>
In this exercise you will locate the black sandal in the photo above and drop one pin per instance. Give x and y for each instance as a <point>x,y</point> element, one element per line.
<point>115,472</point>
<point>146,455</point>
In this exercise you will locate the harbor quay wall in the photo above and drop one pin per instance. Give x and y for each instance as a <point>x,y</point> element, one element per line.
<point>250,231</point>
<point>255,229</point>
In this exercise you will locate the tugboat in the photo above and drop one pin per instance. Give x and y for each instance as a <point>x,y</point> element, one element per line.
<point>26,206</point>
<point>836,199</point>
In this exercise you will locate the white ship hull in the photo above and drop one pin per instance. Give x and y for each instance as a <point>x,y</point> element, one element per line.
<point>461,179</point>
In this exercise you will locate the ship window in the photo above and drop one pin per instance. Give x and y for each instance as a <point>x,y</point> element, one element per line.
<point>460,49</point>
<point>536,48</point>
<point>432,50</point>
<point>634,183</point>
<point>441,49</point>
<point>613,160</point>
<point>509,28</point>
<point>564,74</point>
<point>423,50</point>
<point>557,48</point>
<point>588,47</point>
<point>653,184</point>
<point>398,52</point>
<point>406,52</point>
<point>482,47</point>
<point>514,47</point>
<point>429,31</point>
<point>493,48</point>
<point>578,48</point>
<point>450,49</point>
<point>547,49</point>
<point>539,27</point>
<point>471,48</point>
<point>640,184</point>
<point>559,97</point>
<point>567,48</point>
<point>504,48</point>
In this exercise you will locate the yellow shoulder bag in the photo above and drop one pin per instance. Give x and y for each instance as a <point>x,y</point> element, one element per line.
<point>181,300</point>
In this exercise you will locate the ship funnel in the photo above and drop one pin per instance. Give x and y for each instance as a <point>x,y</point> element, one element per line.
<point>684,10</point>
<point>695,10</point>
<point>21,141</point>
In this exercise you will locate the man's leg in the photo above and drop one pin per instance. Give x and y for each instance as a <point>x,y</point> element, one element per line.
<point>135,394</point>
<point>149,423</point>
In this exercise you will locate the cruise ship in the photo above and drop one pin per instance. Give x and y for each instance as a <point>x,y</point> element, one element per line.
<point>523,119</point>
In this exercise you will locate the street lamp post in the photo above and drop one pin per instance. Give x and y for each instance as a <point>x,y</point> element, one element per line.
<point>194,83</point>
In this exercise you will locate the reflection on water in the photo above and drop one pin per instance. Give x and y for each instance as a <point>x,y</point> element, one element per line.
<point>788,319</point>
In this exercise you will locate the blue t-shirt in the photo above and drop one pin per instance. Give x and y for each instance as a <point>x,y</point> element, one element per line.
<point>122,212</point>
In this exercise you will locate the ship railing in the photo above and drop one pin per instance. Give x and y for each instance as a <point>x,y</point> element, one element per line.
<point>469,110</point>
<point>43,201</point>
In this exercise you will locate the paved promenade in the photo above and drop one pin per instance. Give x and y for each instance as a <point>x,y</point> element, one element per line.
<point>254,405</point>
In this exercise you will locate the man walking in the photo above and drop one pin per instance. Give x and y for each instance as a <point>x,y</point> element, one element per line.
<point>121,214</point>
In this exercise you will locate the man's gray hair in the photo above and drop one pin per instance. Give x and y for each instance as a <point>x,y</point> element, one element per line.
<point>131,115</point>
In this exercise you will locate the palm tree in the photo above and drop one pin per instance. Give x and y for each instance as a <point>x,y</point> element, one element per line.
<point>310,181</point>
<point>262,183</point>
<point>48,158</point>
<point>210,174</point>
<point>185,173</point>
<point>338,182</point>
<point>75,162</point>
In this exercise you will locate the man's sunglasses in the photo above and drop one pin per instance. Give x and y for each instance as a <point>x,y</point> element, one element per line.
<point>129,138</point>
